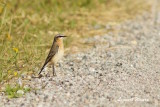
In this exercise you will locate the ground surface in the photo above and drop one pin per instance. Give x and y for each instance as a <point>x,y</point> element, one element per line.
<point>122,69</point>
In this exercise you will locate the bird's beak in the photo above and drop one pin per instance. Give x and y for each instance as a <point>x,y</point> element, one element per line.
<point>63,36</point>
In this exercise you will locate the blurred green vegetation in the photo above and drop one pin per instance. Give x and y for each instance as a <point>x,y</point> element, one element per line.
<point>12,91</point>
<point>27,28</point>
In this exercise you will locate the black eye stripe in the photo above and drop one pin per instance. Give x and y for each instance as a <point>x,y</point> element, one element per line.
<point>59,36</point>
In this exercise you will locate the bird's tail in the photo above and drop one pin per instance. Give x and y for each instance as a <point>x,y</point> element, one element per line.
<point>41,69</point>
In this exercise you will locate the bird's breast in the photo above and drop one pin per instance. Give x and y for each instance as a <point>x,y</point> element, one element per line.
<point>58,55</point>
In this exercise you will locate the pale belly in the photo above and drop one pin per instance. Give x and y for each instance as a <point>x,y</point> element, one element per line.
<point>58,56</point>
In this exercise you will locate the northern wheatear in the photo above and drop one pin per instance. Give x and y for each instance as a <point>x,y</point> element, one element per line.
<point>56,52</point>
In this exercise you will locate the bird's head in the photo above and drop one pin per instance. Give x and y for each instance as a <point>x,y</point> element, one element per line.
<point>59,37</point>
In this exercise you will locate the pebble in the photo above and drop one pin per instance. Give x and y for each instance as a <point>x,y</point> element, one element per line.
<point>20,92</point>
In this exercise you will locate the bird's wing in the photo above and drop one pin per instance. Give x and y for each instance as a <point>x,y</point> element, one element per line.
<point>52,52</point>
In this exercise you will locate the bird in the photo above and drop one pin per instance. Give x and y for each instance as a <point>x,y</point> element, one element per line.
<point>55,54</point>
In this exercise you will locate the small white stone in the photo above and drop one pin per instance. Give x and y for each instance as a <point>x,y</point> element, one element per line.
<point>20,92</point>
<point>29,77</point>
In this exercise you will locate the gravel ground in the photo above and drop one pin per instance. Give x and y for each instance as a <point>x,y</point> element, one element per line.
<point>122,69</point>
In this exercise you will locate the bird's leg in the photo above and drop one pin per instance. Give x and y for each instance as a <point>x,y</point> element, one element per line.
<point>54,73</point>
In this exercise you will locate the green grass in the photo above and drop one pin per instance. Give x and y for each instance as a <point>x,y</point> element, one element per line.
<point>12,91</point>
<point>27,28</point>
